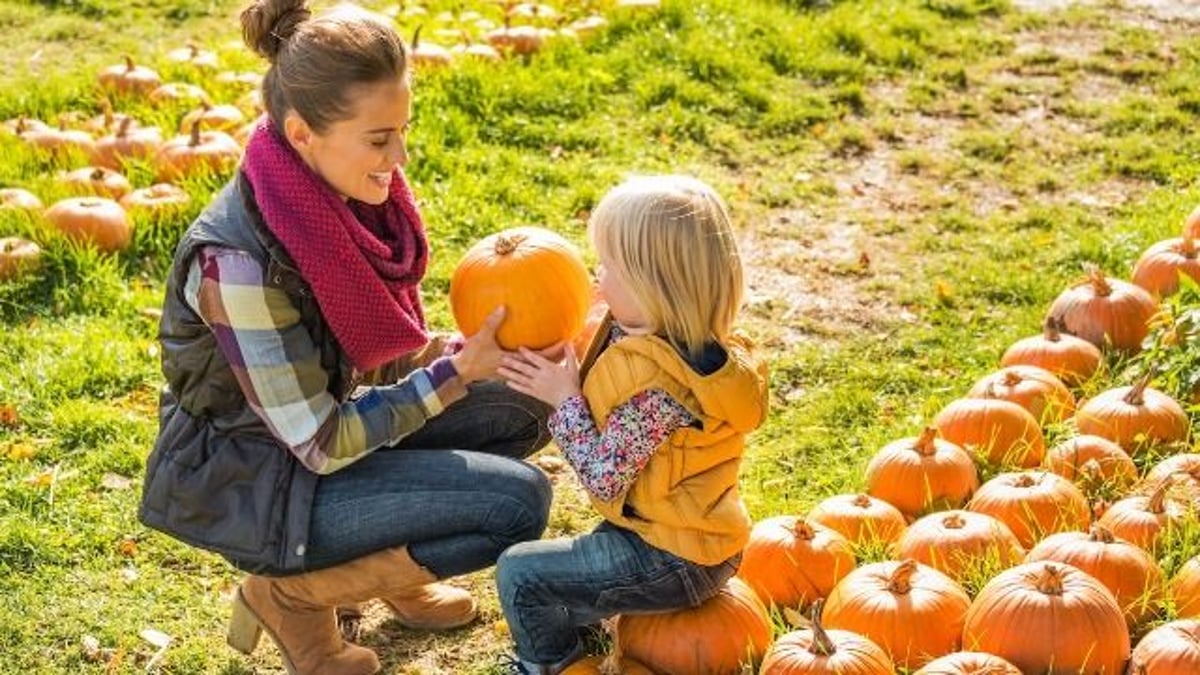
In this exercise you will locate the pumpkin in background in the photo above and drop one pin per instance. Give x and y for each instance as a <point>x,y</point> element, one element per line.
<point>192,55</point>
<point>158,199</point>
<point>127,142</point>
<point>1048,618</point>
<point>1135,417</point>
<point>914,612</point>
<point>730,629</point>
<point>196,152</point>
<point>1113,465</point>
<point>960,543</point>
<point>817,651</point>
<point>1143,519</point>
<point>178,92</point>
<point>1032,504</point>
<point>97,180</point>
<point>1171,649</point>
<point>968,663</point>
<point>1159,267</point>
<point>999,431</point>
<point>1184,472</point>
<point>1106,312</point>
<point>60,142</point>
<point>1072,359</point>
<point>220,117</point>
<point>94,220</point>
<point>921,474</point>
<point>129,78</point>
<point>860,518</point>
<point>16,198</point>
<point>1124,568</point>
<point>791,562</point>
<point>1185,590</point>
<point>1035,389</point>
<point>596,665</point>
<point>427,54</point>
<point>19,256</point>
<point>520,40</point>
<point>540,278</point>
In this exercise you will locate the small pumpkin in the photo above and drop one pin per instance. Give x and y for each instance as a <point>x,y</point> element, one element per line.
<point>1160,266</point>
<point>1135,417</point>
<point>1113,464</point>
<point>536,274</point>
<point>97,180</point>
<point>520,40</point>
<point>1185,590</point>
<point>427,54</point>
<point>860,518</point>
<point>178,92</point>
<point>959,542</point>
<point>17,198</point>
<point>92,220</point>
<point>127,142</point>
<point>791,562</point>
<point>1035,389</point>
<point>196,152</point>
<point>129,77</point>
<point>923,473</point>
<point>160,198</point>
<point>221,117</point>
<point>968,663</point>
<point>19,126</point>
<point>1171,649</point>
<point>1001,432</point>
<point>1143,519</point>
<point>1032,504</point>
<point>817,651</point>
<point>61,141</point>
<point>17,257</point>
<point>1106,312</point>
<point>193,55</point>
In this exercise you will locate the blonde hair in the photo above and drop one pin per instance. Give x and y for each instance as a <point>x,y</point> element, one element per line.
<point>670,242</point>
<point>317,61</point>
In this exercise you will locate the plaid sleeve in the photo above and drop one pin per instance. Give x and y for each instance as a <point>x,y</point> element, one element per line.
<point>277,365</point>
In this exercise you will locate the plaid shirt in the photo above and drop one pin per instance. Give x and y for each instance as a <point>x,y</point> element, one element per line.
<point>279,369</point>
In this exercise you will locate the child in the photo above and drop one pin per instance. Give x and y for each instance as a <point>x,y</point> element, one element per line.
<point>656,432</point>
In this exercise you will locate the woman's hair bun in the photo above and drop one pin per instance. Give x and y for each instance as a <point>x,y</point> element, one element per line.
<point>266,24</point>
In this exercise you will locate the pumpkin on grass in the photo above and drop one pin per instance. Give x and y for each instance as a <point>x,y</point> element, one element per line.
<point>127,142</point>
<point>1135,417</point>
<point>1184,472</point>
<point>92,220</point>
<point>1185,590</point>
<point>158,199</point>
<point>817,651</point>
<point>1035,389</point>
<point>1032,504</point>
<point>968,663</point>
<point>1048,617</point>
<point>1171,649</point>
<point>129,77</point>
<point>791,562</point>
<point>1113,465</point>
<point>1161,265</point>
<point>958,543</point>
<point>921,474</point>
<point>17,198</point>
<point>536,274</point>
<point>196,152</point>
<point>1106,312</point>
<point>19,256</point>
<point>1144,519</point>
<point>606,665</point>
<point>721,636</point>
<point>97,180</point>
<point>860,518</point>
<point>1072,359</point>
<point>1001,432</point>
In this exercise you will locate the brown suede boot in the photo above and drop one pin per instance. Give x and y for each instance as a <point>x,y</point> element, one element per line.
<point>427,605</point>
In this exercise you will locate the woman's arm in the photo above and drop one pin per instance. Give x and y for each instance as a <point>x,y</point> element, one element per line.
<point>278,367</point>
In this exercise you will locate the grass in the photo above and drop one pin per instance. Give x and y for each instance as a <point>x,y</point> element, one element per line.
<point>914,182</point>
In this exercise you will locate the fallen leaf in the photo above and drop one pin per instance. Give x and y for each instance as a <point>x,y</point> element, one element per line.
<point>795,619</point>
<point>19,450</point>
<point>8,415</point>
<point>112,481</point>
<point>128,547</point>
<point>91,648</point>
<point>156,637</point>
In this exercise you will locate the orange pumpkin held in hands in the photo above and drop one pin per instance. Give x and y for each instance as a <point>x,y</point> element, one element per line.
<point>1071,358</point>
<point>95,220</point>
<point>18,256</point>
<point>537,275</point>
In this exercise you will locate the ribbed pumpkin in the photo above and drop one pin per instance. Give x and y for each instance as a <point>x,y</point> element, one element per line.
<point>860,518</point>
<point>791,562</point>
<point>1135,417</point>
<point>596,665</point>
<point>922,474</point>
<point>960,542</point>
<point>1106,312</point>
<point>1160,266</point>
<point>1114,466</point>
<point>536,274</point>
<point>98,181</point>
<point>195,153</point>
<point>817,651</point>
<point>1185,590</point>
<point>1033,504</point>
<point>1171,649</point>
<point>92,220</point>
<point>999,431</point>
<point>1072,359</point>
<point>127,142</point>
<point>914,612</point>
<point>968,663</point>
<point>1035,389</point>
<point>1048,618</point>
<point>1183,470</point>
<point>717,638</point>
<point>1124,568</point>
<point>1143,519</point>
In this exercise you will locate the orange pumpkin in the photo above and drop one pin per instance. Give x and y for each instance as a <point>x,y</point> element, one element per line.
<point>19,126</point>
<point>1159,268</point>
<point>18,256</point>
<point>921,474</point>
<point>182,156</point>
<point>1113,465</point>
<point>428,55</point>
<point>127,142</point>
<point>157,199</point>
<point>999,431</point>
<point>1048,618</point>
<point>1143,519</point>
<point>1136,417</point>
<point>1183,470</point>
<point>817,651</point>
<point>16,198</point>
<point>1171,649</point>
<point>1106,312</point>
<point>99,181</point>
<point>175,92</point>
<point>92,220</point>
<point>914,612</point>
<point>1185,590</point>
<point>60,142</point>
<point>791,562</point>
<point>1125,569</point>
<point>958,543</point>
<point>536,274</point>
<point>129,77</point>
<point>591,324</point>
<point>520,40</point>
<point>1035,389</point>
<point>222,117</point>
<point>1032,504</point>
<point>860,518</point>
<point>192,55</point>
<point>602,665</point>
<point>728,630</point>
<point>1072,359</point>
<point>968,663</point>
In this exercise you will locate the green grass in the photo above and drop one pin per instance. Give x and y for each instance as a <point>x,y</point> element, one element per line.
<point>975,155</point>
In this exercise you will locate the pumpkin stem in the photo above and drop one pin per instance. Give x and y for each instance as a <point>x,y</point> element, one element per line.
<point>1157,502</point>
<point>1024,480</point>
<point>1188,247</point>
<point>417,37</point>
<point>1098,281</point>
<point>1091,471</point>
<point>1050,580</point>
<point>1135,395</point>
<point>129,64</point>
<point>1011,378</point>
<point>900,582</point>
<point>822,644</point>
<point>506,243</point>
<point>97,174</point>
<point>1101,534</point>
<point>862,500</point>
<point>1050,332</point>
<point>123,130</point>
<point>925,444</point>
<point>954,521</point>
<point>194,138</point>
<point>803,530</point>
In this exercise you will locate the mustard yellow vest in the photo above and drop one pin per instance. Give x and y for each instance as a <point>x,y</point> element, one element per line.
<point>686,500</point>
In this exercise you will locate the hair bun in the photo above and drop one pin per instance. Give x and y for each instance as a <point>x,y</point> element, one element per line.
<point>266,24</point>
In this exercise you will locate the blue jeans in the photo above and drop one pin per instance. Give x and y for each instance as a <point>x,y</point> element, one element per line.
<point>454,491</point>
<point>550,588</point>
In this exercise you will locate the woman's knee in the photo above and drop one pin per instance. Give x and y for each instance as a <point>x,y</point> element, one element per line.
<point>534,492</point>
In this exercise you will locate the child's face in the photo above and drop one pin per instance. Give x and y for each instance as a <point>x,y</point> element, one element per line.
<point>358,156</point>
<point>624,308</point>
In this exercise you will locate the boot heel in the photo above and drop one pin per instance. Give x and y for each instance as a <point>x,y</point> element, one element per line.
<point>244,628</point>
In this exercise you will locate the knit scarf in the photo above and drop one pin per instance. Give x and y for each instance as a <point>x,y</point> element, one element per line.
<point>363,262</point>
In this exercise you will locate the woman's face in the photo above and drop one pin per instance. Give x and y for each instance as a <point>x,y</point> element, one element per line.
<point>358,156</point>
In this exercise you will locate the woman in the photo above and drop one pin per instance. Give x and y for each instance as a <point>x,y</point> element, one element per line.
<point>296,286</point>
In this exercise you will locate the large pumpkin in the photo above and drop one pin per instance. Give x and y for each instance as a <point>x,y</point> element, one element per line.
<point>817,651</point>
<point>860,518</point>
<point>921,474</point>
<point>1035,389</point>
<point>960,543</point>
<point>1144,519</point>
<point>719,637</point>
<point>1049,618</point>
<point>1106,312</point>
<point>998,431</point>
<point>1032,504</point>
<point>1073,359</point>
<point>1113,466</point>
<point>603,665</point>
<point>1185,590</point>
<point>1161,265</point>
<point>537,275</point>
<point>93,220</point>
<point>791,562</point>
<point>1171,649</point>
<point>1135,417</point>
<point>196,153</point>
<point>968,663</point>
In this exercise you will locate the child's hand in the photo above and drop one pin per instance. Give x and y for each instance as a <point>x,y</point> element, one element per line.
<point>532,373</point>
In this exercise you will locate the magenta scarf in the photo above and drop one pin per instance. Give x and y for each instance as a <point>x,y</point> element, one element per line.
<point>363,262</point>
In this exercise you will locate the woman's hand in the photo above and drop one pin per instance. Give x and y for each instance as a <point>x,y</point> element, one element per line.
<point>535,374</point>
<point>480,354</point>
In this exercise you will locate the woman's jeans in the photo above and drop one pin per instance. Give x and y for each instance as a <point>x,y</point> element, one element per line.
<point>454,491</point>
<point>550,588</point>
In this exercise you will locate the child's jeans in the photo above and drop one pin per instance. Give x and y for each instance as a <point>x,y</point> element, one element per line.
<point>549,588</point>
